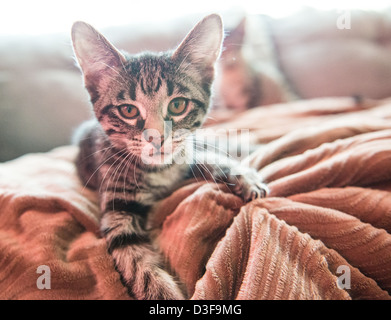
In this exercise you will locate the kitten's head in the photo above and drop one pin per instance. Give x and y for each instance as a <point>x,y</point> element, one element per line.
<point>148,103</point>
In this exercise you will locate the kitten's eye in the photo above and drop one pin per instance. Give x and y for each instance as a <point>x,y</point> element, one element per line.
<point>128,111</point>
<point>178,106</point>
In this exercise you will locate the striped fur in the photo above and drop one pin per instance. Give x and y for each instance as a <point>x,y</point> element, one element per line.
<point>131,98</point>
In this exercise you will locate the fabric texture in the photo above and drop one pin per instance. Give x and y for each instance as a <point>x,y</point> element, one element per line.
<point>327,163</point>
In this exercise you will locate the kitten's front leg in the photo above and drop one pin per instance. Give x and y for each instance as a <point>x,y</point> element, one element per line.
<point>138,264</point>
<point>243,181</point>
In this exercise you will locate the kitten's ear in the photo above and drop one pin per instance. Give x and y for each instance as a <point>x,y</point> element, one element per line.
<point>94,52</point>
<point>202,46</point>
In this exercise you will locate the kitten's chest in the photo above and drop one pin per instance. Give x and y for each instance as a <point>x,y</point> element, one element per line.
<point>157,185</point>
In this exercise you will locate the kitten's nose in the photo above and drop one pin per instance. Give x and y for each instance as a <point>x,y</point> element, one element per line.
<point>158,143</point>
<point>154,137</point>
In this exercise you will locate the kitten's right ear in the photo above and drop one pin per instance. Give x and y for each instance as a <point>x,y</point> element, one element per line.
<point>94,53</point>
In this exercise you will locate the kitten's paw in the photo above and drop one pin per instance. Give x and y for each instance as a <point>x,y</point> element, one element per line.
<point>248,185</point>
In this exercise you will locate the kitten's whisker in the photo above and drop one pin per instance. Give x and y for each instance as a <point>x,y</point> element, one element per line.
<point>110,176</point>
<point>218,166</point>
<point>203,143</point>
<point>98,168</point>
<point>194,175</point>
<point>209,173</point>
<point>107,171</point>
<point>100,150</point>
<point>123,165</point>
<point>206,180</point>
<point>128,165</point>
<point>134,174</point>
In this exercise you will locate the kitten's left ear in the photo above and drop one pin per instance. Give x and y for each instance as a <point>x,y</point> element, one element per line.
<point>202,46</point>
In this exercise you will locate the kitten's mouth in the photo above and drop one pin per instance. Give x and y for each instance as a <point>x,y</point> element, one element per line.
<point>151,156</point>
<point>161,157</point>
<point>157,159</point>
<point>158,153</point>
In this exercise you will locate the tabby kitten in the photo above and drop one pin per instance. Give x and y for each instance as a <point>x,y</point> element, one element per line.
<point>134,97</point>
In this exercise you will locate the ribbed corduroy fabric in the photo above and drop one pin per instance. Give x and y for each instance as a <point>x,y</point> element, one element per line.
<point>328,166</point>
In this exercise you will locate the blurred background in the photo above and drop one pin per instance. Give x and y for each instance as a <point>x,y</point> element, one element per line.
<point>45,16</point>
<point>311,49</point>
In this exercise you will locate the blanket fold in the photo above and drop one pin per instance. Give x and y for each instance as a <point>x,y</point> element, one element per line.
<point>323,232</point>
